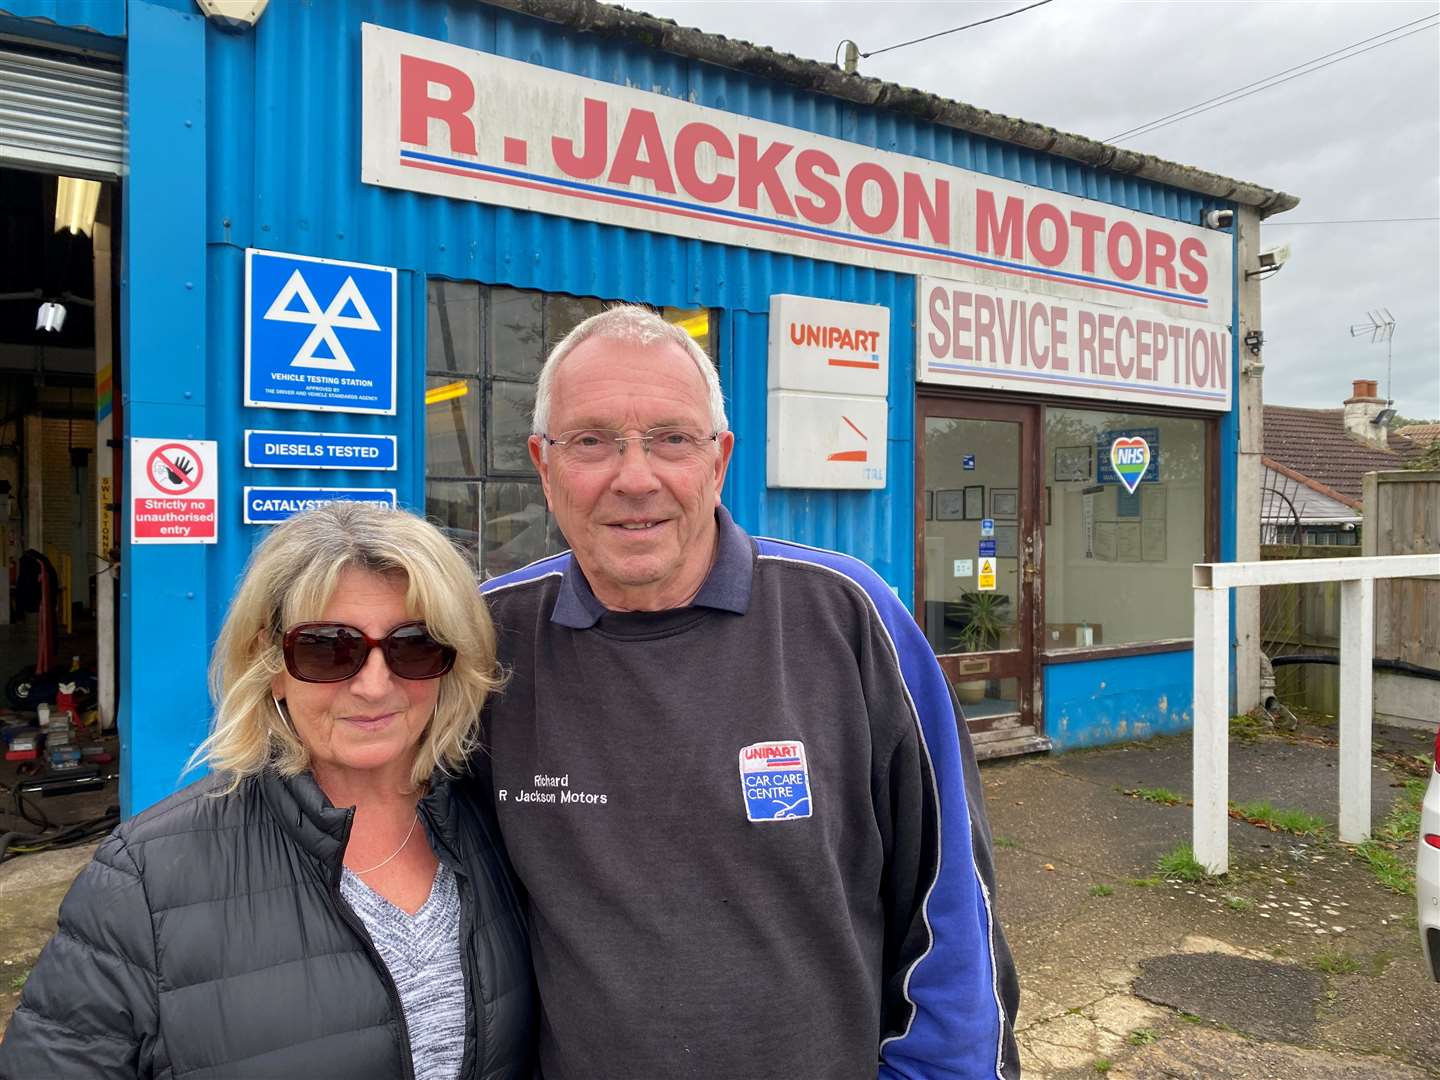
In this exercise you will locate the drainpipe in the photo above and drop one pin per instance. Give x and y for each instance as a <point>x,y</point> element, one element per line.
<point>1250,472</point>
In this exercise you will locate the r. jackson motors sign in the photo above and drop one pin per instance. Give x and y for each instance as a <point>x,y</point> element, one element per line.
<point>451,121</point>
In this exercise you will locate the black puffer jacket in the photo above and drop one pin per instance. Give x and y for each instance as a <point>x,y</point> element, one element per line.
<point>208,939</point>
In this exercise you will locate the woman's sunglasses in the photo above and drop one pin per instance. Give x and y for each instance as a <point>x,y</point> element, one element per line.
<point>321,652</point>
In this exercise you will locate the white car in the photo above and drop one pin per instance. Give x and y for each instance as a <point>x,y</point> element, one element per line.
<point>1427,869</point>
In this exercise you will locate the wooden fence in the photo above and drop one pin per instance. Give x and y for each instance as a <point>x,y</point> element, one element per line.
<point>1402,517</point>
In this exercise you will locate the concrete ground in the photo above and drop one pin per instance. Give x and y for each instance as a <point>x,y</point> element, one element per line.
<point>1298,964</point>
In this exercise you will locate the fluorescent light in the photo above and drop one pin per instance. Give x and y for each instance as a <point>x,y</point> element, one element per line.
<point>446,392</point>
<point>75,203</point>
<point>51,316</point>
<point>697,326</point>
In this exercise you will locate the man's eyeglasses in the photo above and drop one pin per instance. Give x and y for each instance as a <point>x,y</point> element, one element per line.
<point>321,652</point>
<point>603,446</point>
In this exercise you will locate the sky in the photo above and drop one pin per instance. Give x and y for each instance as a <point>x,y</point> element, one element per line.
<point>1357,139</point>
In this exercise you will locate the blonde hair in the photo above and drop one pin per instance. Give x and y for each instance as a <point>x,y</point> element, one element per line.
<point>629,324</point>
<point>290,578</point>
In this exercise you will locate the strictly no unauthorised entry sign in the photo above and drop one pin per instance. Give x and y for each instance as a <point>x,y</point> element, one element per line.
<point>173,490</point>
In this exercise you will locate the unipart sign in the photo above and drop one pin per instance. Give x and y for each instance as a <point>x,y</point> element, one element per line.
<point>829,346</point>
<point>451,121</point>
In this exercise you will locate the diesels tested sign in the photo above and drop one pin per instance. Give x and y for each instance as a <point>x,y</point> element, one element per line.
<point>318,450</point>
<point>319,334</point>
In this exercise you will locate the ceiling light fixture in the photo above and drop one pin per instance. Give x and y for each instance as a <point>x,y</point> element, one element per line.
<point>50,316</point>
<point>75,205</point>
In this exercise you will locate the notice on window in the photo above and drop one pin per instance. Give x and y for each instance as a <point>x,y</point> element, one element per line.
<point>1105,541</point>
<point>1152,541</point>
<point>1127,541</point>
<point>986,580</point>
<point>173,484</point>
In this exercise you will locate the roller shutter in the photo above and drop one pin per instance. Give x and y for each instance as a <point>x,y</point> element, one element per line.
<point>61,115</point>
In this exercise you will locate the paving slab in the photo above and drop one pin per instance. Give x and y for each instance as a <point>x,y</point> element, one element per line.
<point>1265,998</point>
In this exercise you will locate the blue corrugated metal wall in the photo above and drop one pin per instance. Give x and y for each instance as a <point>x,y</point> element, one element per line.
<point>105,17</point>
<point>278,114</point>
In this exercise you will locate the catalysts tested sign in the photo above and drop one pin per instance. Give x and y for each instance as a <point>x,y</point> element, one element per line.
<point>174,491</point>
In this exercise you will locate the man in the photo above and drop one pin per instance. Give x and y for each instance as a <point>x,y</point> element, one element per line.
<point>728,770</point>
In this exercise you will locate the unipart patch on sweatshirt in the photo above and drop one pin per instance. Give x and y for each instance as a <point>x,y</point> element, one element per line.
<point>774,781</point>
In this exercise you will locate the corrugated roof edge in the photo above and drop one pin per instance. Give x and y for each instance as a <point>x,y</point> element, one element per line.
<point>590,16</point>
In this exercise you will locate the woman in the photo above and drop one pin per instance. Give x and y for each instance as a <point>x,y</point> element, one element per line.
<point>331,901</point>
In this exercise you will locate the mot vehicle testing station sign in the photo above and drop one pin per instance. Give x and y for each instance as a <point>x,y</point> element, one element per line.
<point>173,488</point>
<point>827,409</point>
<point>319,334</point>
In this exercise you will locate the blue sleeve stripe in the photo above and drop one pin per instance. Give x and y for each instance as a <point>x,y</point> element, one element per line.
<point>947,1035</point>
<point>550,566</point>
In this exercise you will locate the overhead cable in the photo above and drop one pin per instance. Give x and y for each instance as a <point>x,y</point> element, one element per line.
<point>1279,77</point>
<point>957,29</point>
<point>1351,221</point>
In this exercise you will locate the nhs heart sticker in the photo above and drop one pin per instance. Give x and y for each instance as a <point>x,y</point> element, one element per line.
<point>1130,457</point>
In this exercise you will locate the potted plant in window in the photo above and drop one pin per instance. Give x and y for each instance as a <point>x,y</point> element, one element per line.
<point>984,618</point>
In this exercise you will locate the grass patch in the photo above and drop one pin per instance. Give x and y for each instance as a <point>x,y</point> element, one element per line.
<point>1390,869</point>
<point>1004,842</point>
<point>1389,853</point>
<point>1102,1065</point>
<point>1142,1037</point>
<point>1265,814</point>
<point>1101,890</point>
<point>1239,903</point>
<point>1247,728</point>
<point>1179,864</point>
<point>18,982</point>
<point>1402,824</point>
<point>1336,962</point>
<point>1163,796</point>
<point>1143,882</point>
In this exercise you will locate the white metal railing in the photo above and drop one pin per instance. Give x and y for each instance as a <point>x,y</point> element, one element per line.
<point>1211,766</point>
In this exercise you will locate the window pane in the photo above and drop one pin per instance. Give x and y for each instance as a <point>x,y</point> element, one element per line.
<point>982,698</point>
<point>516,529</point>
<point>455,510</point>
<point>511,404</point>
<point>972,472</point>
<point>517,341</point>
<point>564,313</point>
<point>452,426</point>
<point>1117,562</point>
<point>453,326</point>
<point>695,322</point>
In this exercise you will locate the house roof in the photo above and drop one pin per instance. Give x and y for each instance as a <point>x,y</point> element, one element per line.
<point>589,16</point>
<point>1314,444</point>
<point>1423,434</point>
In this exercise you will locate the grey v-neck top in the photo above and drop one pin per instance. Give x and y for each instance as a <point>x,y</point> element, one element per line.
<point>422,953</point>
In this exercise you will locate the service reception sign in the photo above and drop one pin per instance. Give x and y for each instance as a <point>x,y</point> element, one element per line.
<point>173,490</point>
<point>827,408</point>
<point>978,335</point>
<point>451,121</point>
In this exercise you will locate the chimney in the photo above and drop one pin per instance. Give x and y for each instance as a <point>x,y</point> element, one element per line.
<point>1361,408</point>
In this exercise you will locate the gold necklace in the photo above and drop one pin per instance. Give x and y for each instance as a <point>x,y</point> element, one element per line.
<point>397,851</point>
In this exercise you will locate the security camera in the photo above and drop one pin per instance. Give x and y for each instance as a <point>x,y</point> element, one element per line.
<point>232,16</point>
<point>1272,258</point>
<point>1219,219</point>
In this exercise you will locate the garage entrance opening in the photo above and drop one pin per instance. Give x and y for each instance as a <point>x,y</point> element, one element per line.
<point>59,533</point>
